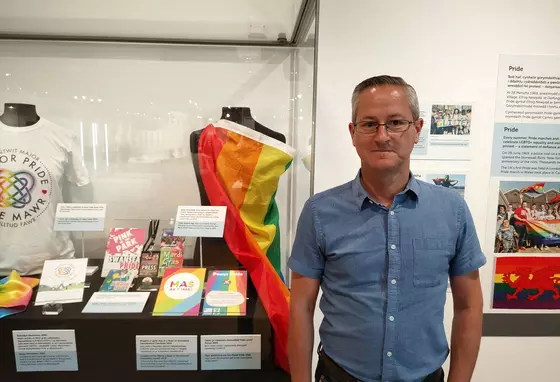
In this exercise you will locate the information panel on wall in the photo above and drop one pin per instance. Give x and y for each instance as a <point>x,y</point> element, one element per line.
<point>524,205</point>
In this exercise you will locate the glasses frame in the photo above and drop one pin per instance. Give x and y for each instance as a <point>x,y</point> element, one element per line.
<point>388,130</point>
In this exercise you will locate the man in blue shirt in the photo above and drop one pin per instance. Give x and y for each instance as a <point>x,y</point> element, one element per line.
<point>382,248</point>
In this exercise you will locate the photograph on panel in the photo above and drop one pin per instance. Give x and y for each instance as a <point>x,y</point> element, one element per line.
<point>528,217</point>
<point>452,181</point>
<point>451,120</point>
<point>523,282</point>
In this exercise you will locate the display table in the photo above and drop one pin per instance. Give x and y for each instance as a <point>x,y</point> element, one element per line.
<point>106,343</point>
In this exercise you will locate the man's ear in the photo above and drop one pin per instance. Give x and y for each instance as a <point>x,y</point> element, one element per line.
<point>352,131</point>
<point>418,126</point>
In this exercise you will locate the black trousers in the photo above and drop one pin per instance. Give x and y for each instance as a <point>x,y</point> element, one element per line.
<point>330,371</point>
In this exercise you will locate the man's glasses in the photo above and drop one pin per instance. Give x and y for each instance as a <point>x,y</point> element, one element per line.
<point>392,126</point>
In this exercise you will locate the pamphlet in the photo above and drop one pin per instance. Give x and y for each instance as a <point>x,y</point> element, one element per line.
<point>123,249</point>
<point>118,281</point>
<point>226,293</point>
<point>149,263</point>
<point>62,281</point>
<point>172,251</point>
<point>180,292</point>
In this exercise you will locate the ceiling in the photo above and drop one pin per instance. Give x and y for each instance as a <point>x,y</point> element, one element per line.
<point>220,20</point>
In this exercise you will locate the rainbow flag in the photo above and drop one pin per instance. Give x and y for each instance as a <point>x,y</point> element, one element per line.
<point>543,231</point>
<point>523,282</point>
<point>537,188</point>
<point>240,169</point>
<point>15,293</point>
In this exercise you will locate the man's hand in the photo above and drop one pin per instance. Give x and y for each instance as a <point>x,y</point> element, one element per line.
<point>301,334</point>
<point>467,326</point>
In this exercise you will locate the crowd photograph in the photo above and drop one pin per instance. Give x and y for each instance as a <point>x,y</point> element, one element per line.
<point>451,120</point>
<point>528,218</point>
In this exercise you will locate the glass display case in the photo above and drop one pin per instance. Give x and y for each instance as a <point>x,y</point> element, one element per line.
<point>143,116</point>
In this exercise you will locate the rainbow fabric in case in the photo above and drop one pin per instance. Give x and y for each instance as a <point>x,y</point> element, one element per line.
<point>15,293</point>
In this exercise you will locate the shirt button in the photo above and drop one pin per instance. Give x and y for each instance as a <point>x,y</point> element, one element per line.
<point>393,246</point>
<point>393,281</point>
<point>391,318</point>
<point>392,213</point>
<point>389,354</point>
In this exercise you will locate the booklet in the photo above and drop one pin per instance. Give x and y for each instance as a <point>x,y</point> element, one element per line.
<point>123,249</point>
<point>149,263</point>
<point>118,280</point>
<point>180,292</point>
<point>225,293</point>
<point>172,251</point>
<point>62,281</point>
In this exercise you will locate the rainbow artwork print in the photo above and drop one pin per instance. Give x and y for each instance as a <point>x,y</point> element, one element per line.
<point>523,282</point>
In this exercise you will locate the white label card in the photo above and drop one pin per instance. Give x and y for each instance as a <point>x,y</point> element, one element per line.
<point>45,350</point>
<point>166,352</point>
<point>117,302</point>
<point>200,221</point>
<point>231,352</point>
<point>80,217</point>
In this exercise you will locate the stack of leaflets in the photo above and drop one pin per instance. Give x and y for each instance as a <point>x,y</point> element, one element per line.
<point>62,282</point>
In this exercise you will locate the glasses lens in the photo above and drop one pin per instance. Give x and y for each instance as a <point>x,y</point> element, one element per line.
<point>367,127</point>
<point>397,124</point>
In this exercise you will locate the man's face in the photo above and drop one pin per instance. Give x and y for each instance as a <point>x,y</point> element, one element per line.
<point>510,208</point>
<point>506,224</point>
<point>534,207</point>
<point>384,151</point>
<point>524,205</point>
<point>502,210</point>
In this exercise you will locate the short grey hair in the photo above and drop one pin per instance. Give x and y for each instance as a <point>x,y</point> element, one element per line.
<point>374,82</point>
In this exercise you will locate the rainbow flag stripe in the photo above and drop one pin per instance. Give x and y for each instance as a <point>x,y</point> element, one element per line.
<point>544,231</point>
<point>240,169</point>
<point>15,293</point>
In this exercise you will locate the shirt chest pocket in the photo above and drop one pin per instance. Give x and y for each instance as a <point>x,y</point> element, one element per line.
<point>430,262</point>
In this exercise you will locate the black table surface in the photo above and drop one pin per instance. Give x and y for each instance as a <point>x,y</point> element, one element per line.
<point>106,343</point>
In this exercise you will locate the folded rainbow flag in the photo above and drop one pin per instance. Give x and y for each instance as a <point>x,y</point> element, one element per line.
<point>15,293</point>
<point>240,169</point>
<point>544,231</point>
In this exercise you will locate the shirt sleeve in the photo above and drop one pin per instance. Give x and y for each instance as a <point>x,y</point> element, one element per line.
<point>307,257</point>
<point>75,170</point>
<point>468,254</point>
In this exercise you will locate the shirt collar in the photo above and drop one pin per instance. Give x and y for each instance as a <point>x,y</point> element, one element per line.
<point>361,196</point>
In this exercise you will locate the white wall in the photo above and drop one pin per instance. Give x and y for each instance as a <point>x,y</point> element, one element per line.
<point>447,51</point>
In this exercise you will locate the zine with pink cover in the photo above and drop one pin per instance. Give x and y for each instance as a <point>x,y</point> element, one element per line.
<point>124,249</point>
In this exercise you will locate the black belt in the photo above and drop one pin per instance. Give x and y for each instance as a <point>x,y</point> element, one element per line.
<point>327,370</point>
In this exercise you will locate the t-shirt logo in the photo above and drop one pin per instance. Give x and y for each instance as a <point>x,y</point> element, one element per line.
<point>25,188</point>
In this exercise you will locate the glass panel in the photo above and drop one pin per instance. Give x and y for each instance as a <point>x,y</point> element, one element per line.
<point>238,20</point>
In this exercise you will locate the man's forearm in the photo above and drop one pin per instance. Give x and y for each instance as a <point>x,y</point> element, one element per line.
<point>300,344</point>
<point>465,343</point>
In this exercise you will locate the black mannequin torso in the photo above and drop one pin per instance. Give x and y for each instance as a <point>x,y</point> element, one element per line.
<point>19,115</point>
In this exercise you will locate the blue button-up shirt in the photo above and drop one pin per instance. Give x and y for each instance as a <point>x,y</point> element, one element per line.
<point>384,274</point>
